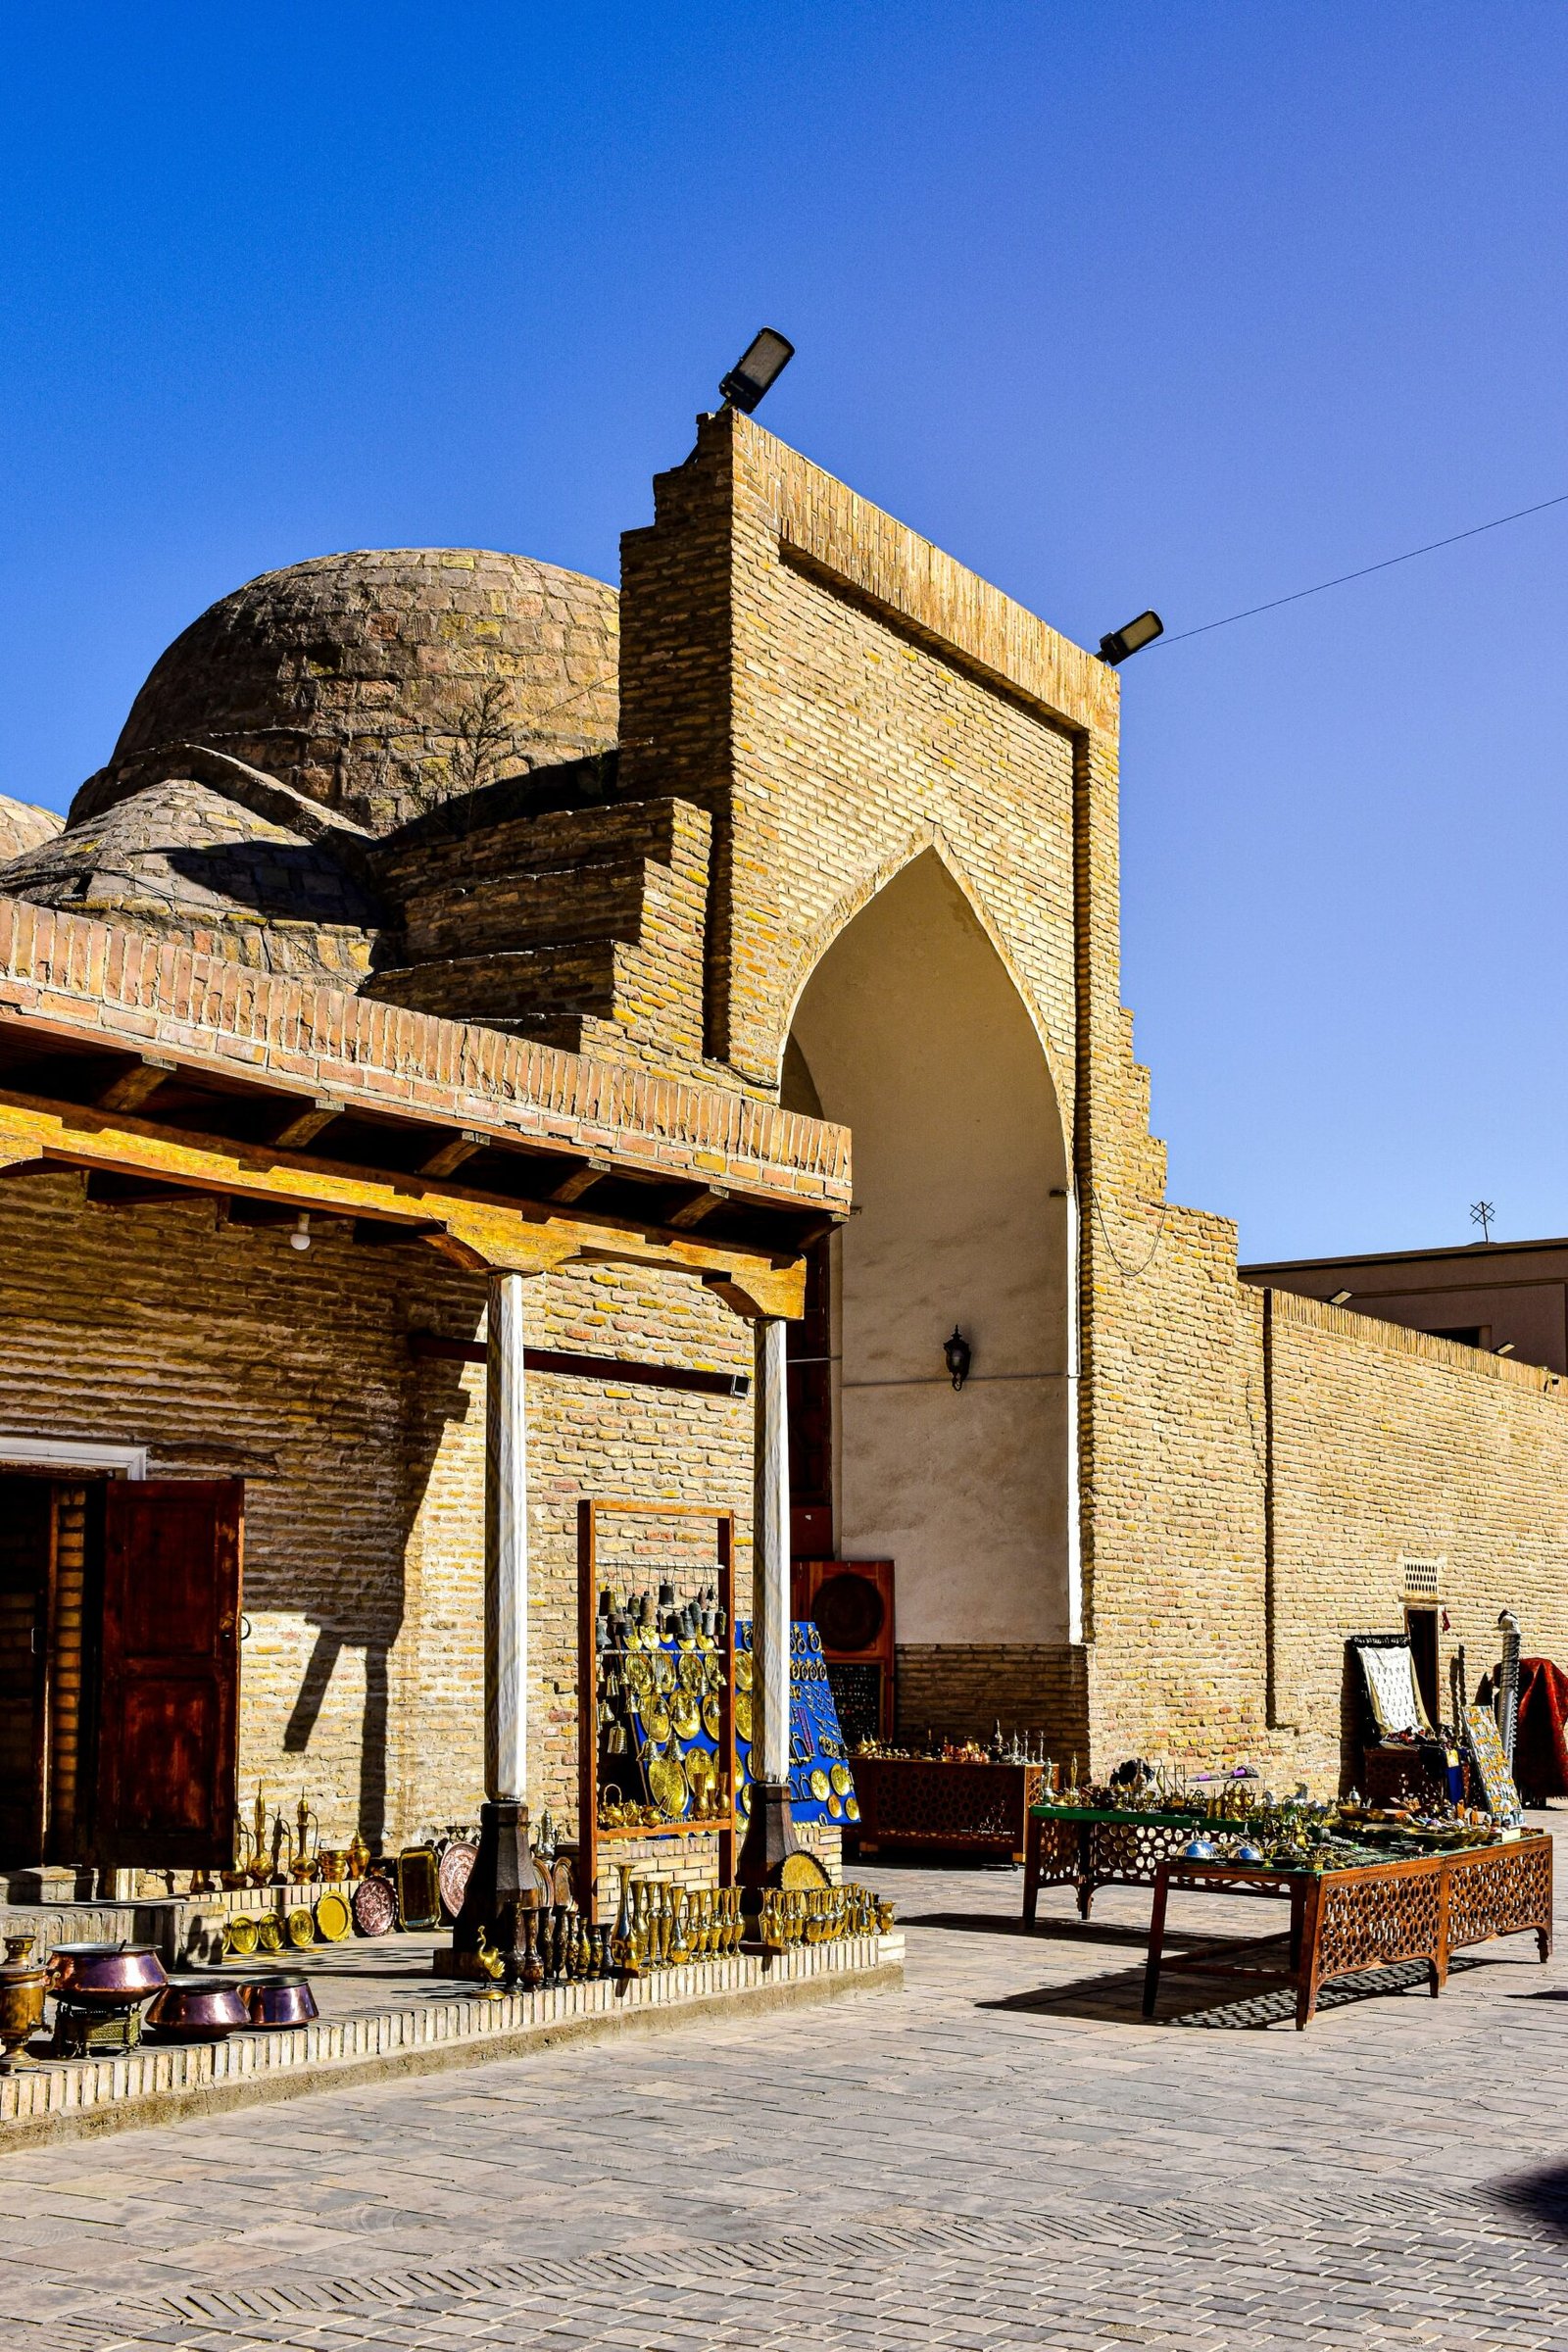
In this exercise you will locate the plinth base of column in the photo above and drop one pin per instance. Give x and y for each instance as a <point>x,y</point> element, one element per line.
<point>770,1838</point>
<point>502,1885</point>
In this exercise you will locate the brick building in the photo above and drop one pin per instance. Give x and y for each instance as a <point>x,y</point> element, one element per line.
<point>497,926</point>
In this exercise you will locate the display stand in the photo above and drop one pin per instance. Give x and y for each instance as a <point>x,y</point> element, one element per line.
<point>593,1834</point>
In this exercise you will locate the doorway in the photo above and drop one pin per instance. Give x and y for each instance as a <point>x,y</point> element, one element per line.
<point>913,1032</point>
<point>119,1670</point>
<point>1421,1629</point>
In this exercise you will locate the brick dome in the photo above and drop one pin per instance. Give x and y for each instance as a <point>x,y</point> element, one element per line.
<point>380,682</point>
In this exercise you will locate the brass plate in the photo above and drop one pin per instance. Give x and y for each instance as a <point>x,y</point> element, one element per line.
<point>742,1713</point>
<point>333,1919</point>
<point>685,1715</point>
<point>714,1670</point>
<point>666,1785</point>
<point>639,1674</point>
<point>301,1929</point>
<point>270,1933</point>
<point>655,1720</point>
<point>819,1785</point>
<point>693,1673</point>
<point>851,1808</point>
<point>240,1934</point>
<point>801,1869</point>
<point>743,1670</point>
<point>664,1668</point>
<point>835,1806</point>
<point>840,1777</point>
<point>711,1716</point>
<point>743,1799</point>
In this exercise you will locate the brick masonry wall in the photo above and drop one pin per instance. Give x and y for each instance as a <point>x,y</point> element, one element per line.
<point>228,1354</point>
<point>963,1689</point>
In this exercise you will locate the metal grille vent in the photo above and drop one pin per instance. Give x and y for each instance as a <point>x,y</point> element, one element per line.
<point>1422,1579</point>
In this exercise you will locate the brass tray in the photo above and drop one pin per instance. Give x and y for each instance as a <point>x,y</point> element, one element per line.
<point>668,1786</point>
<point>841,1780</point>
<point>712,1716</point>
<point>743,1670</point>
<point>333,1919</point>
<point>301,1929</point>
<point>819,1785</point>
<point>743,1714</point>
<point>685,1716</point>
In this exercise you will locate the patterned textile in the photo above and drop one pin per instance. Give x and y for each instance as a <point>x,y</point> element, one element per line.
<point>1392,1685</point>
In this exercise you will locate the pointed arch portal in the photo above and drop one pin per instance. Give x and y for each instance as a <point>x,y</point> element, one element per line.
<point>911,1032</point>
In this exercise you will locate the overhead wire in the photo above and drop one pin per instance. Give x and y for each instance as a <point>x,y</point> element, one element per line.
<point>1366,569</point>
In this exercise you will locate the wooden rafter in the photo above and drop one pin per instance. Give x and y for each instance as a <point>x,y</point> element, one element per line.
<point>473,1229</point>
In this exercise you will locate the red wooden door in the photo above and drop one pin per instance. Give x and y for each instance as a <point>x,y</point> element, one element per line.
<point>169,1679</point>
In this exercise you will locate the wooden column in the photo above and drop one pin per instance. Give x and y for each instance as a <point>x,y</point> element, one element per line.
<point>503,1883</point>
<point>506,1546</point>
<point>771,1832</point>
<point>770,1551</point>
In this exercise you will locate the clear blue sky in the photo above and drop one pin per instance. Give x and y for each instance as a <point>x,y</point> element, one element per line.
<point>1123,303</point>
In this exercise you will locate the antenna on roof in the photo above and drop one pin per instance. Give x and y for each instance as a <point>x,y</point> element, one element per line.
<point>1481,1213</point>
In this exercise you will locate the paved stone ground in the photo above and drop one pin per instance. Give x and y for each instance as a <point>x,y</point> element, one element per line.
<point>1005,2155</point>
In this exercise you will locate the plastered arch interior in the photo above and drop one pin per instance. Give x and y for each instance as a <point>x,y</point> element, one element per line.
<point>911,1032</point>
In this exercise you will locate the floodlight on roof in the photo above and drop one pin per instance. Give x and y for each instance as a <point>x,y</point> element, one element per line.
<point>757,369</point>
<point>1506,1349</point>
<point>1131,639</point>
<point>1338,1298</point>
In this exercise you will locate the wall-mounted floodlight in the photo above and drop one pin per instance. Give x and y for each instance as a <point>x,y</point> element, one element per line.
<point>1132,639</point>
<point>1338,1298</point>
<point>1506,1349</point>
<point>757,369</point>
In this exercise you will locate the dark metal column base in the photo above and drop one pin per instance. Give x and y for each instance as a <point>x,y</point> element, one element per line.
<point>502,1885</point>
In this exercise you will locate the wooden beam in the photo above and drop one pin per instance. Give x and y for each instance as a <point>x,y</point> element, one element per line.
<point>579,1181</point>
<point>302,1127</point>
<point>449,1156</point>
<point>134,1087</point>
<point>590,1367</point>
<point>474,1230</point>
<point>700,1204</point>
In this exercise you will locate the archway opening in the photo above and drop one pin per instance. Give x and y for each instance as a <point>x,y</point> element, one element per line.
<point>911,1032</point>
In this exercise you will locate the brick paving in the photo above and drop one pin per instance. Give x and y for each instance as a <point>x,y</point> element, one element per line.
<point>1004,2155</point>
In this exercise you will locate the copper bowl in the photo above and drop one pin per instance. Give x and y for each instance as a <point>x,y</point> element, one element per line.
<point>198,2008</point>
<point>282,1997</point>
<point>105,1976</point>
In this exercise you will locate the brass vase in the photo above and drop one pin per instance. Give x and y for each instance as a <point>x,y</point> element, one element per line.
<point>22,1987</point>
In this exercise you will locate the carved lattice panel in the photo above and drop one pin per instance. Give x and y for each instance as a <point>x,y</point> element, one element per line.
<point>1497,1893</point>
<point>1373,1921</point>
<point>1058,1853</point>
<point>1127,1853</point>
<point>946,1804</point>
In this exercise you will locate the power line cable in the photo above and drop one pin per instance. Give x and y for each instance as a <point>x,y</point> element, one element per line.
<point>1366,569</point>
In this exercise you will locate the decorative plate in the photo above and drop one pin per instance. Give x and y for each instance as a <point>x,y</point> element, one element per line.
<point>742,1713</point>
<point>693,1673</point>
<point>685,1715</point>
<point>240,1935</point>
<point>819,1785</point>
<point>851,1808</point>
<point>835,1806</point>
<point>711,1716</point>
<point>375,1907</point>
<point>743,1670</point>
<point>270,1933</point>
<point>639,1674</point>
<point>301,1927</point>
<point>715,1671</point>
<point>666,1785</point>
<point>656,1721</point>
<point>451,1877</point>
<point>840,1777</point>
<point>743,1799</point>
<point>333,1919</point>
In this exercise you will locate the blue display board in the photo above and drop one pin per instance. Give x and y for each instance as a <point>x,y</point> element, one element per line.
<point>821,1784</point>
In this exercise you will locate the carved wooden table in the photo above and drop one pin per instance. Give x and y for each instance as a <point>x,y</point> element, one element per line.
<point>1375,1915</point>
<point>1087,1846</point>
<point>924,1800</point>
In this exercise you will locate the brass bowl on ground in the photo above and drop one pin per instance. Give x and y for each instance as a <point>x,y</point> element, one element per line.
<point>280,1998</point>
<point>198,2007</point>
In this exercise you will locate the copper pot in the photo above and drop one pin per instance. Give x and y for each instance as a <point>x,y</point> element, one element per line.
<point>198,2008</point>
<point>104,1976</point>
<point>282,1997</point>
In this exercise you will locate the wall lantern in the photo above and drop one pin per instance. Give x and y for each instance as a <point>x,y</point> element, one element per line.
<point>1131,638</point>
<point>300,1238</point>
<point>757,369</point>
<point>958,1352</point>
